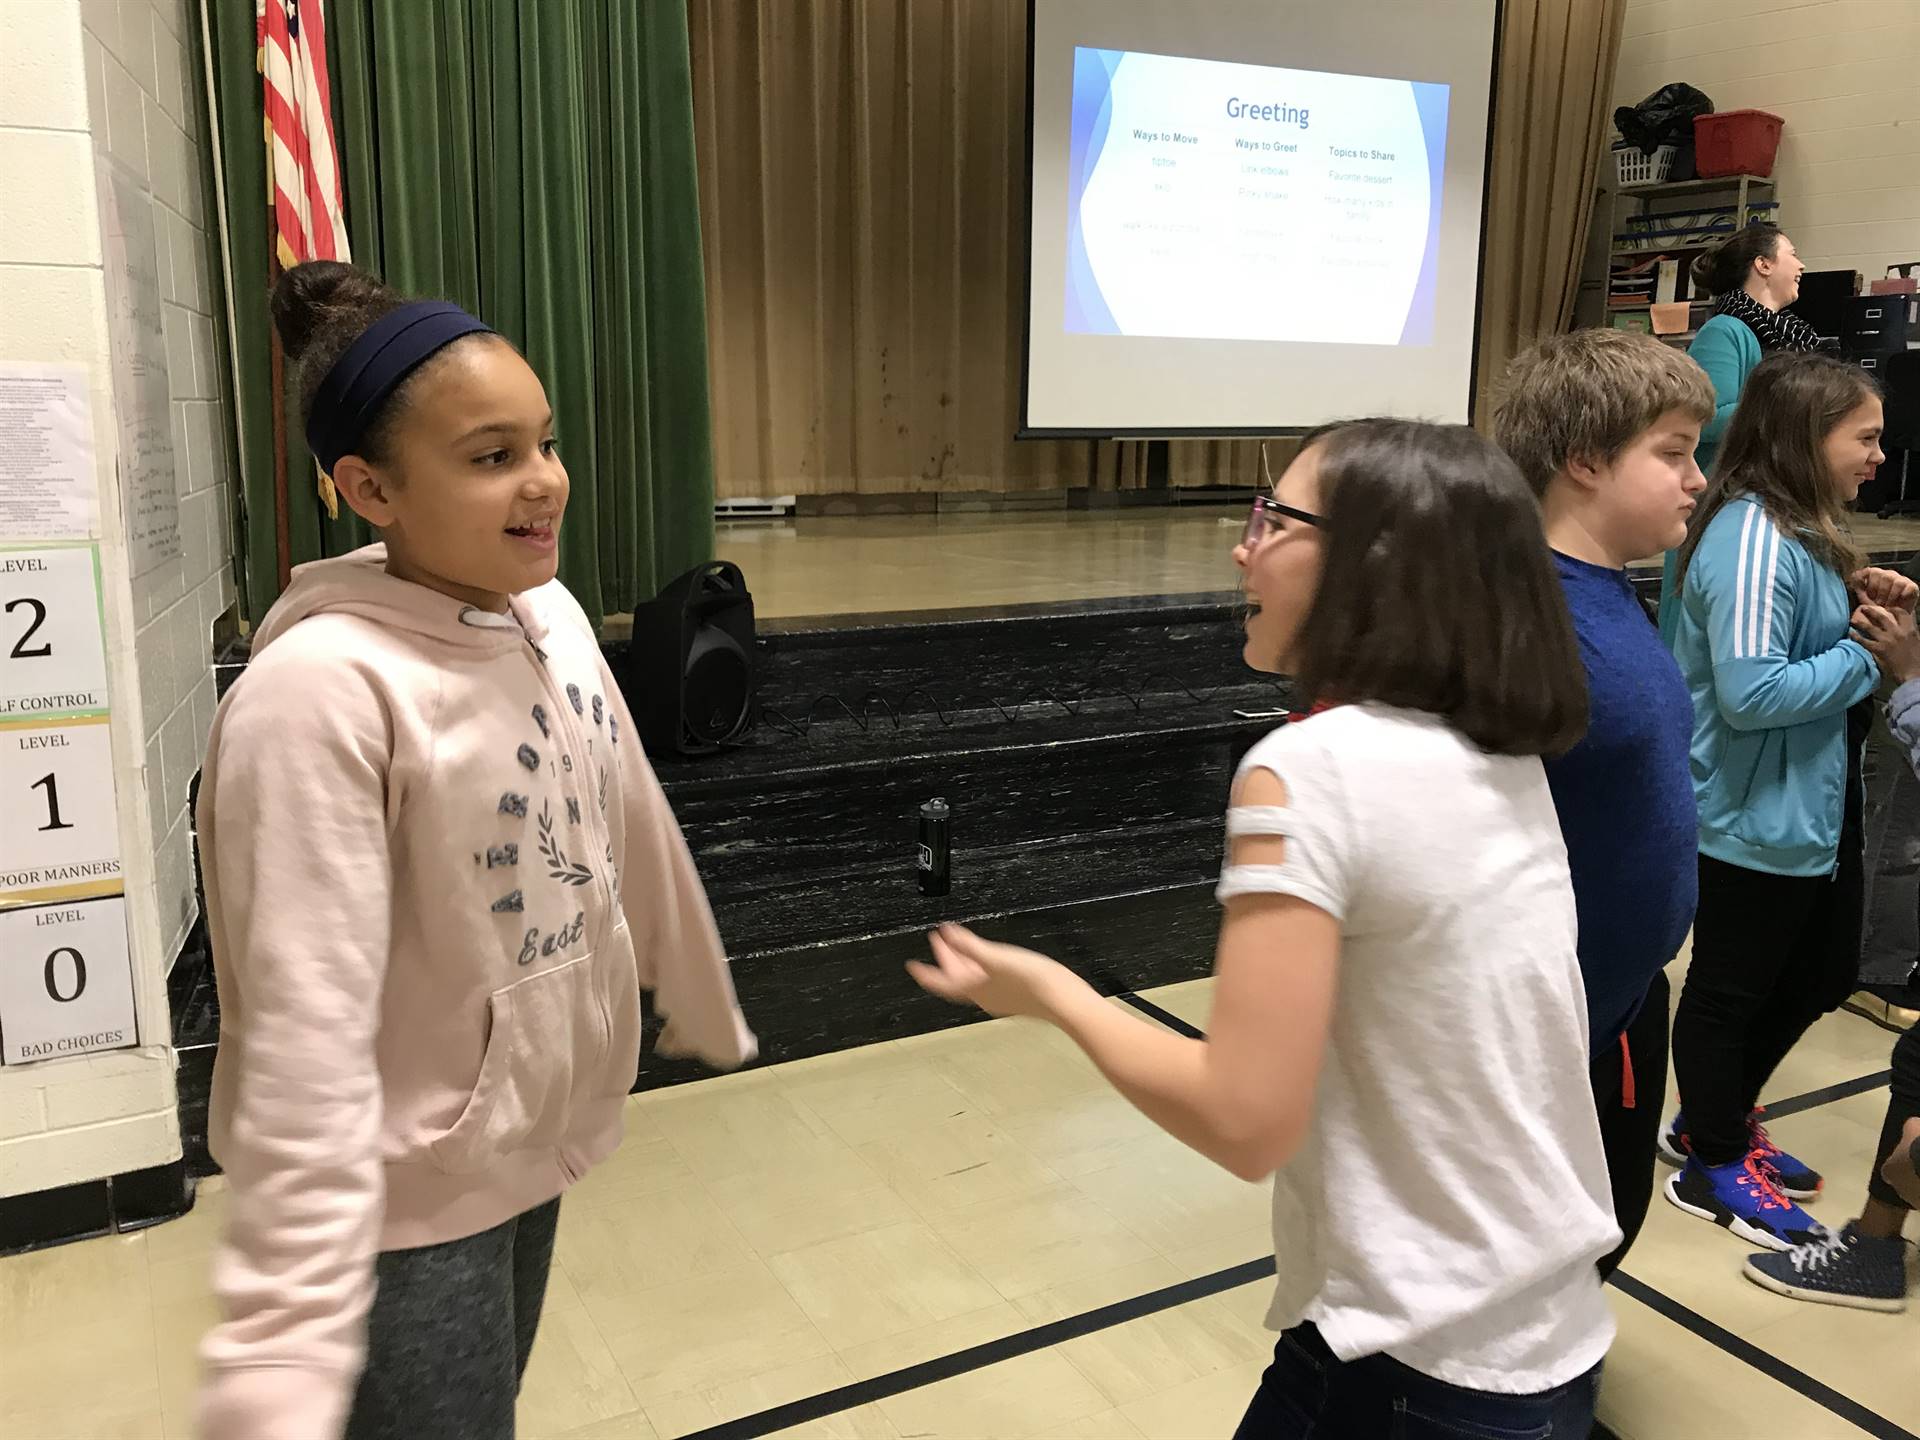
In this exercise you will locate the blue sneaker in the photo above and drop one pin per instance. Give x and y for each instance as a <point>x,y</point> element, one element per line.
<point>1796,1179</point>
<point>1742,1197</point>
<point>1846,1268</point>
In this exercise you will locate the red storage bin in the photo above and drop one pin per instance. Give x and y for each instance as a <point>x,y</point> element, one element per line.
<point>1736,142</point>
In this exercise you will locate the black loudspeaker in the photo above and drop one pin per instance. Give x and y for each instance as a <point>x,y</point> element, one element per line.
<point>689,673</point>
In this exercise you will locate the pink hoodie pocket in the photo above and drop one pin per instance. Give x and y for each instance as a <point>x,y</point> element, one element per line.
<point>546,1035</point>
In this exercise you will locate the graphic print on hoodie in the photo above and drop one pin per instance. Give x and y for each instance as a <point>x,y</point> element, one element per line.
<point>439,872</point>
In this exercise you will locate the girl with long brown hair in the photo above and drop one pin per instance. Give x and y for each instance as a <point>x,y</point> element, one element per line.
<point>1762,639</point>
<point>1396,880</point>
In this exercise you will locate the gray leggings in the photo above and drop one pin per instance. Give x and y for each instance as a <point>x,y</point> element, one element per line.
<point>450,1331</point>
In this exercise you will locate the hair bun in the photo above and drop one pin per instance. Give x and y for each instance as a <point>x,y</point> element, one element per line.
<point>322,295</point>
<point>1727,265</point>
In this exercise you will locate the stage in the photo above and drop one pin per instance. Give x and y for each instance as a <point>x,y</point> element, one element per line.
<point>1085,740</point>
<point>874,564</point>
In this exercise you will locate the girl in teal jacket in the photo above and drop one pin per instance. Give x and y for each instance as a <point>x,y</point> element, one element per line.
<point>1753,275</point>
<point>1762,638</point>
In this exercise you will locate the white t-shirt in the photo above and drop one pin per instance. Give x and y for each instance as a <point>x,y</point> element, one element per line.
<point>1452,1198</point>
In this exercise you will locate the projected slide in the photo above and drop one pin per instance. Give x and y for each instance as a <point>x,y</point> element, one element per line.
<point>1211,200</point>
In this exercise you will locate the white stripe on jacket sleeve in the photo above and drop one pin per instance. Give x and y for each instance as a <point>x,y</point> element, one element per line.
<point>1741,622</point>
<point>1754,580</point>
<point>1772,576</point>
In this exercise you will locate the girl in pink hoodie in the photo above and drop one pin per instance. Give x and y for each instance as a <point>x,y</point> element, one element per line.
<point>439,873</point>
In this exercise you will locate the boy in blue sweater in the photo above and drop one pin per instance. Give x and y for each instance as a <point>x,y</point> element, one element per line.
<point>1604,425</point>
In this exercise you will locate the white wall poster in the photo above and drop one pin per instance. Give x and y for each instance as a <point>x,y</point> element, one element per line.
<point>150,490</point>
<point>61,840</point>
<point>53,654</point>
<point>47,485</point>
<point>66,981</point>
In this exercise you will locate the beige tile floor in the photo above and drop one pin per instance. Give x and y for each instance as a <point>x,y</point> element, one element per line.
<point>770,1236</point>
<point>836,566</point>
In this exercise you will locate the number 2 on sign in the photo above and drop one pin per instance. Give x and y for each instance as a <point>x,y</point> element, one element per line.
<point>20,650</point>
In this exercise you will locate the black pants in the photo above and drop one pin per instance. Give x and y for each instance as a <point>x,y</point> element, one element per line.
<point>450,1331</point>
<point>1308,1392</point>
<point>1771,954</point>
<point>1890,942</point>
<point>1902,1106</point>
<point>1629,1092</point>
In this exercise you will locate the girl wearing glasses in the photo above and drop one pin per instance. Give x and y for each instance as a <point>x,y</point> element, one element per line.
<point>1399,1028</point>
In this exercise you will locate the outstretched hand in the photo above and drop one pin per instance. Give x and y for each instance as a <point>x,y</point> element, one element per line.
<point>1000,979</point>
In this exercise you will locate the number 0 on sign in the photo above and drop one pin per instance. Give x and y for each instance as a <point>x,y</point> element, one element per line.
<point>61,839</point>
<point>66,982</point>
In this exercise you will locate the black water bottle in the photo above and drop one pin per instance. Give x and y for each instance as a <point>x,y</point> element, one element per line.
<point>936,847</point>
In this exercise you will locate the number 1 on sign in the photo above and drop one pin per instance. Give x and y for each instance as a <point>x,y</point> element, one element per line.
<point>59,830</point>
<point>54,822</point>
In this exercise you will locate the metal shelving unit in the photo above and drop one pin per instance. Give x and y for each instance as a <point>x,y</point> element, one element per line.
<point>1698,186</point>
<point>1633,202</point>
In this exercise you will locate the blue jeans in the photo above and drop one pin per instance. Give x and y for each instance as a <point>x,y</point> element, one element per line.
<point>1308,1394</point>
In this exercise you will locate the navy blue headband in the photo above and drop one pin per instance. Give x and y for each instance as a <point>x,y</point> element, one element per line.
<point>391,349</point>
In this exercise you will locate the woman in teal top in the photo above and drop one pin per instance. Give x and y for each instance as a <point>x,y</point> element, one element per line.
<point>1753,275</point>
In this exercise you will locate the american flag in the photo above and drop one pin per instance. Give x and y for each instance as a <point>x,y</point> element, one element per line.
<point>306,209</point>
<point>303,171</point>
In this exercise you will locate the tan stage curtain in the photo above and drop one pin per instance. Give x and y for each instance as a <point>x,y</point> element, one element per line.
<point>1552,115</point>
<point>862,195</point>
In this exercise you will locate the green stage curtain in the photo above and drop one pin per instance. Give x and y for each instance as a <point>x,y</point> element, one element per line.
<point>532,160</point>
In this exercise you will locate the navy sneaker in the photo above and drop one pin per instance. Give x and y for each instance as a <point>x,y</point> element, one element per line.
<point>1742,1197</point>
<point>1847,1268</point>
<point>1797,1180</point>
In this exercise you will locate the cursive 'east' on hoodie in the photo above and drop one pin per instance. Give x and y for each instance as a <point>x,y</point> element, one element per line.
<point>439,873</point>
